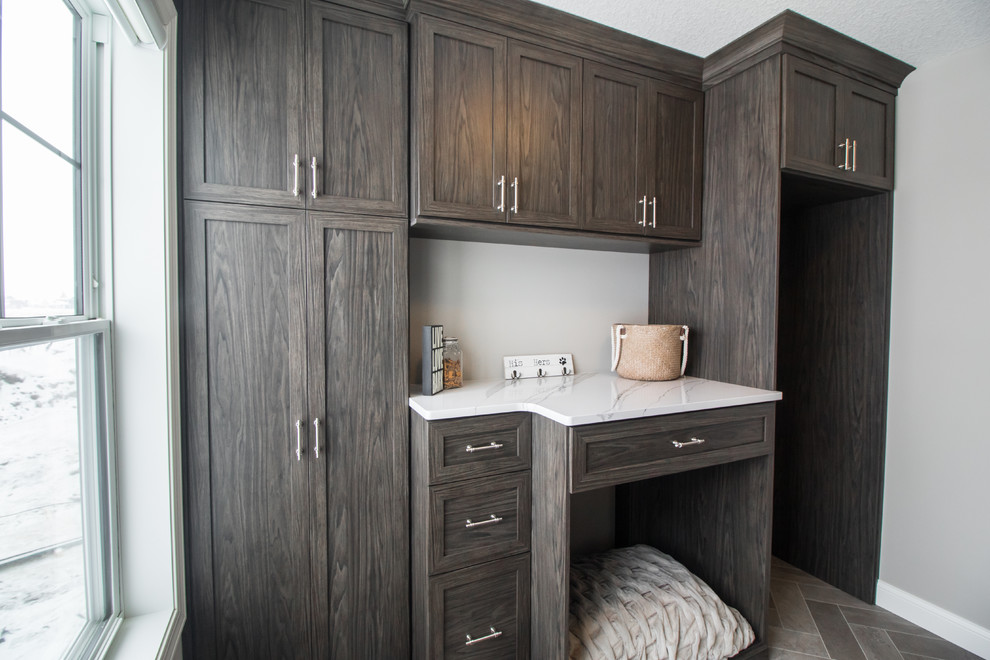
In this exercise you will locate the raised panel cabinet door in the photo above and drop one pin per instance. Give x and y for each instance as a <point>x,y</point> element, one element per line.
<point>248,507</point>
<point>867,116</point>
<point>676,161</point>
<point>358,374</point>
<point>459,101</point>
<point>544,137</point>
<point>358,122</point>
<point>811,134</point>
<point>243,101</point>
<point>614,146</point>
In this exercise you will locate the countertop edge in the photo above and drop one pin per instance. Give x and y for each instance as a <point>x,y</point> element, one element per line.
<point>757,396</point>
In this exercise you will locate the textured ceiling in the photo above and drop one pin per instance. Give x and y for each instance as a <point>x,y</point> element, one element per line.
<point>915,31</point>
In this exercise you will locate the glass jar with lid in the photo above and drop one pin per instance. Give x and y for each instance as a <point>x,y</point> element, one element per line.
<point>453,372</point>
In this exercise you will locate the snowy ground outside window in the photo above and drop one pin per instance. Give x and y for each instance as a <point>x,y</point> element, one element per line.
<point>42,590</point>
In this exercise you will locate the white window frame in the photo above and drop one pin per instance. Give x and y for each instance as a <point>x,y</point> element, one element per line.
<point>95,394</point>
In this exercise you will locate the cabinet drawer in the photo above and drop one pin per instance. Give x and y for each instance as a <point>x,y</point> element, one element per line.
<point>479,520</point>
<point>482,611</point>
<point>620,452</point>
<point>478,446</point>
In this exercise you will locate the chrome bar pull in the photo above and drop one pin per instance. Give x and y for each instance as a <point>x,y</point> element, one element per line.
<point>298,439</point>
<point>845,161</point>
<point>312,166</point>
<point>693,441</point>
<point>654,205</point>
<point>501,187</point>
<point>295,176</point>
<point>493,520</point>
<point>515,195</point>
<point>492,635</point>
<point>643,221</point>
<point>316,445</point>
<point>854,155</point>
<point>494,445</point>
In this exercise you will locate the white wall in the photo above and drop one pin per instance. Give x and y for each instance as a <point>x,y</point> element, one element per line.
<point>936,523</point>
<point>510,300</point>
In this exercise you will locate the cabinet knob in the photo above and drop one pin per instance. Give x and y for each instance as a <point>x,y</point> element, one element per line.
<point>642,222</point>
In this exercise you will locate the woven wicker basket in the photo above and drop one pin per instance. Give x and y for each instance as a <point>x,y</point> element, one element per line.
<point>649,352</point>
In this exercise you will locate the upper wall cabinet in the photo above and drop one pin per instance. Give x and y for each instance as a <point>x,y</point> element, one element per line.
<point>836,127</point>
<point>643,158</point>
<point>497,128</point>
<point>279,108</point>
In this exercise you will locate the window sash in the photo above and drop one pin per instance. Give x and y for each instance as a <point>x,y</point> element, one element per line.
<point>97,469</point>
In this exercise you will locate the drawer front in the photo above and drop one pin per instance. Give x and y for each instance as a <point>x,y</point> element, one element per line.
<point>479,520</point>
<point>478,446</point>
<point>619,452</point>
<point>481,612</point>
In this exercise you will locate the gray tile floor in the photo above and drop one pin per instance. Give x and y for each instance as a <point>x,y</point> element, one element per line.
<point>811,619</point>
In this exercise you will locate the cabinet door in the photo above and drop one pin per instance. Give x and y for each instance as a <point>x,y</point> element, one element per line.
<point>867,116</point>
<point>460,111</point>
<point>358,122</point>
<point>358,370</point>
<point>544,137</point>
<point>244,369</point>
<point>615,134</point>
<point>242,108</point>
<point>676,161</point>
<point>811,112</point>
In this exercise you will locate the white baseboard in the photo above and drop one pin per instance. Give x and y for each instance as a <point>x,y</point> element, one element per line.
<point>933,618</point>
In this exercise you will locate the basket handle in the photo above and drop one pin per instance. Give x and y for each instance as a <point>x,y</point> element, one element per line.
<point>618,334</point>
<point>684,338</point>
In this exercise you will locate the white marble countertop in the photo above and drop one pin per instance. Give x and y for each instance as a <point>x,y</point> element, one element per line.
<point>586,398</point>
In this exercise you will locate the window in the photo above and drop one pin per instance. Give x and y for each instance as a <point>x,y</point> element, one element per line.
<point>58,567</point>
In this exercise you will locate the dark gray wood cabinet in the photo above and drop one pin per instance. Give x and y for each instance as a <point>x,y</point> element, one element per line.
<point>675,161</point>
<point>248,500</point>
<point>459,119</point>
<point>791,288</point>
<point>642,155</point>
<point>616,103</point>
<point>497,128</point>
<point>356,111</point>
<point>296,436</point>
<point>242,89</point>
<point>471,510</point>
<point>835,126</point>
<point>543,162</point>
<point>280,110</point>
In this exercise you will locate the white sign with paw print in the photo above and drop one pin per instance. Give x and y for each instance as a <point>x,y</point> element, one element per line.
<point>538,366</point>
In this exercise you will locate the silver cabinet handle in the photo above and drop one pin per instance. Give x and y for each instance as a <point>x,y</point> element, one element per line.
<point>316,445</point>
<point>845,161</point>
<point>515,195</point>
<point>654,205</point>
<point>312,165</point>
<point>492,635</point>
<point>298,439</point>
<point>494,445</point>
<point>693,441</point>
<point>295,176</point>
<point>501,186</point>
<point>854,155</point>
<point>489,521</point>
<point>643,221</point>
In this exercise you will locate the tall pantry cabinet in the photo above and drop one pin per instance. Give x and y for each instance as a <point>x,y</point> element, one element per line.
<point>790,289</point>
<point>295,308</point>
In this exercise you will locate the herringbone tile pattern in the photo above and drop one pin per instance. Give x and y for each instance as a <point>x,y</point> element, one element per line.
<point>811,619</point>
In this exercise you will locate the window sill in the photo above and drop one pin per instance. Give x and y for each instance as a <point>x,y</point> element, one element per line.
<point>154,635</point>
